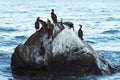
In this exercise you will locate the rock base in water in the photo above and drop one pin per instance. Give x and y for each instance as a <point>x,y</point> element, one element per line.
<point>65,54</point>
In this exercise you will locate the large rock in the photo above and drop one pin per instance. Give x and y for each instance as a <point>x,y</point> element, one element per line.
<point>65,54</point>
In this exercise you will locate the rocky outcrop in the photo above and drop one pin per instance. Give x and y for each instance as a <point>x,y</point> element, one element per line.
<point>65,54</point>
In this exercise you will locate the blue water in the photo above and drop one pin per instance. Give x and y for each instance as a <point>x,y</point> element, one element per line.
<point>101,27</point>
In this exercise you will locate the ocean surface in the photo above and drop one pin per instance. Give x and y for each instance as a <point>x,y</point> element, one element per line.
<point>101,29</point>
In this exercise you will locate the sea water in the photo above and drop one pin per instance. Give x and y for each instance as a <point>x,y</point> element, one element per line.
<point>101,28</point>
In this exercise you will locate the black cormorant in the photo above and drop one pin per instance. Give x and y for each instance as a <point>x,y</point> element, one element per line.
<point>80,32</point>
<point>50,29</point>
<point>37,26</point>
<point>69,24</point>
<point>53,16</point>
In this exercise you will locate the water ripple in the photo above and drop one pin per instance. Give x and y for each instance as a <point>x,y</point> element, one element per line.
<point>112,19</point>
<point>110,32</point>
<point>21,37</point>
<point>2,29</point>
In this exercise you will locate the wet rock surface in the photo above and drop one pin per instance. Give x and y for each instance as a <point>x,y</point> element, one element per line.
<point>64,54</point>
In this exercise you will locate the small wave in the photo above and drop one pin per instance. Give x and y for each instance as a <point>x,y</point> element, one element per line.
<point>101,39</point>
<point>105,10</point>
<point>23,12</point>
<point>7,29</point>
<point>111,31</point>
<point>90,41</point>
<point>20,37</point>
<point>8,12</point>
<point>9,43</point>
<point>97,22</point>
<point>7,23</point>
<point>112,19</point>
<point>117,37</point>
<point>1,55</point>
<point>105,39</point>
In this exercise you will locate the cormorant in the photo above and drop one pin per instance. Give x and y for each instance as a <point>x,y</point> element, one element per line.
<point>53,16</point>
<point>37,26</point>
<point>61,24</point>
<point>80,32</point>
<point>50,29</point>
<point>69,24</point>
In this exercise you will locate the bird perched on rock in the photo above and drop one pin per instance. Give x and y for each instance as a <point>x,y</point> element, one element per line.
<point>53,16</point>
<point>50,29</point>
<point>37,26</point>
<point>61,24</point>
<point>80,32</point>
<point>69,24</point>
